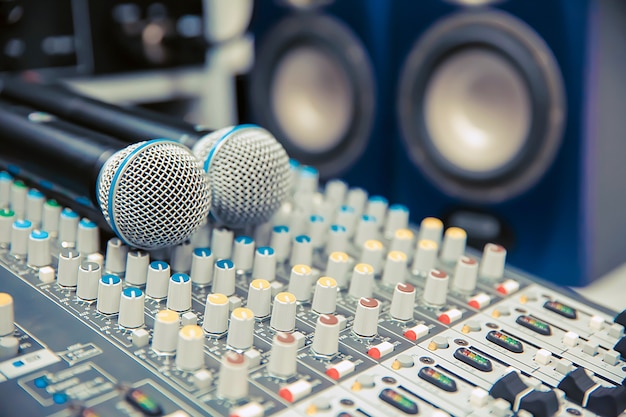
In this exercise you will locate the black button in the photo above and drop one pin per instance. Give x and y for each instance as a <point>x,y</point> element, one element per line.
<point>508,387</point>
<point>535,325</point>
<point>621,318</point>
<point>608,402</point>
<point>576,384</point>
<point>540,403</point>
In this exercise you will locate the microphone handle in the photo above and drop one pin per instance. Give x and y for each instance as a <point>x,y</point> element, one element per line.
<point>67,155</point>
<point>124,123</point>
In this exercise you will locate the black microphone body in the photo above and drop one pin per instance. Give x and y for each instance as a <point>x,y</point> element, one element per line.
<point>128,124</point>
<point>70,156</point>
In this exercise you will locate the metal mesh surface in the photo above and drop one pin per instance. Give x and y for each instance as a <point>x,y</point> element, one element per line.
<point>249,174</point>
<point>154,194</point>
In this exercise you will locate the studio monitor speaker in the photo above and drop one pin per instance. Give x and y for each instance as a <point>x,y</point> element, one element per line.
<point>510,123</point>
<point>318,85</point>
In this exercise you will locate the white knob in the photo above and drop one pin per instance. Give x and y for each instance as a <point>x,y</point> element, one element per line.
<point>39,249</point>
<point>453,246</point>
<point>189,349</point>
<point>243,253</point>
<point>356,198</point>
<point>335,192</point>
<point>233,376</point>
<point>19,237</point>
<point>259,297</point>
<point>301,251</point>
<point>137,265</point>
<point>377,208</point>
<point>366,317</point>
<point>222,243</point>
<point>301,282</point>
<point>431,228</point>
<point>202,265</point>
<point>281,242</point>
<point>50,217</point>
<point>158,280</point>
<point>7,218</point>
<point>362,282</point>
<point>318,226</point>
<point>395,269</point>
<point>325,296</point>
<point>282,362</point>
<point>436,288</point>
<point>69,263</point>
<point>367,229</point>
<point>372,253</point>
<point>34,206</point>
<point>116,255</point>
<point>131,308</point>
<point>307,180</point>
<point>337,267</point>
<point>403,242</point>
<point>87,281</point>
<point>224,277</point>
<point>337,239</point>
<point>402,302</point>
<point>326,338</point>
<point>465,274</point>
<point>18,198</point>
<point>241,329</point>
<point>109,293</point>
<point>397,218</point>
<point>264,263</point>
<point>493,261</point>
<point>6,181</point>
<point>284,312</point>
<point>166,324</point>
<point>6,314</point>
<point>347,217</point>
<point>68,226</point>
<point>87,237</point>
<point>425,256</point>
<point>216,314</point>
<point>179,292</point>
<point>180,258</point>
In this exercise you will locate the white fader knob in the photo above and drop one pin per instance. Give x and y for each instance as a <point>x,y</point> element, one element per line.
<point>431,228</point>
<point>493,261</point>
<point>109,293</point>
<point>131,308</point>
<point>224,277</point>
<point>337,239</point>
<point>282,361</point>
<point>453,246</point>
<point>318,226</point>
<point>87,280</point>
<point>180,257</point>
<point>284,312</point>
<point>367,229</point>
<point>50,217</point>
<point>233,376</point>
<point>372,254</point>
<point>425,256</point>
<point>436,288</point>
<point>241,329</point>
<point>301,282</point>
<point>39,249</point>
<point>301,251</point>
<point>166,324</point>
<point>264,265</point>
<point>7,217</point>
<point>243,253</point>
<point>362,282</point>
<point>87,237</point>
<point>216,314</point>
<point>6,314</point>
<point>402,302</point>
<point>281,242</point>
<point>222,243</point>
<point>158,280</point>
<point>325,296</point>
<point>337,267</point>
<point>189,349</point>
<point>403,242</point>
<point>326,338</point>
<point>202,264</point>
<point>465,274</point>
<point>366,317</point>
<point>68,225</point>
<point>259,297</point>
<point>179,292</point>
<point>19,237</point>
<point>116,256</point>
<point>34,206</point>
<point>397,218</point>
<point>395,269</point>
<point>137,264</point>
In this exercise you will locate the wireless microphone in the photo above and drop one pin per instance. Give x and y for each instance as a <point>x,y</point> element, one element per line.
<point>152,194</point>
<point>247,167</point>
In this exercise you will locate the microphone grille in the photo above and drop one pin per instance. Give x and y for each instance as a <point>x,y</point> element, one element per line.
<point>154,194</point>
<point>249,174</point>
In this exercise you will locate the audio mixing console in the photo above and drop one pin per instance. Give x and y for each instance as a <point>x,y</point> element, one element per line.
<point>338,307</point>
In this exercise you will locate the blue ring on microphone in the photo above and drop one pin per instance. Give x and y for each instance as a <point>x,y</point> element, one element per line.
<point>218,143</point>
<point>118,172</point>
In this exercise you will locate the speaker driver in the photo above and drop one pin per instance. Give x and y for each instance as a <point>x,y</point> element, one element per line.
<point>312,86</point>
<point>481,106</point>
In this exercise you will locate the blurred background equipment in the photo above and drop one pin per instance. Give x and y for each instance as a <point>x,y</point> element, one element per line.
<point>318,84</point>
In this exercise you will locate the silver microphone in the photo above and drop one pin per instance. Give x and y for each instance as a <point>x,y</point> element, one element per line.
<point>249,174</point>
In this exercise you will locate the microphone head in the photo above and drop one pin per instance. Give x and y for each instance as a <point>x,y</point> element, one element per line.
<point>249,174</point>
<point>154,194</point>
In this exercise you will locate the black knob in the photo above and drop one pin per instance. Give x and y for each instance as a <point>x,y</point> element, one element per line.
<point>576,384</point>
<point>508,387</point>
<point>11,12</point>
<point>540,403</point>
<point>621,318</point>
<point>607,402</point>
<point>620,347</point>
